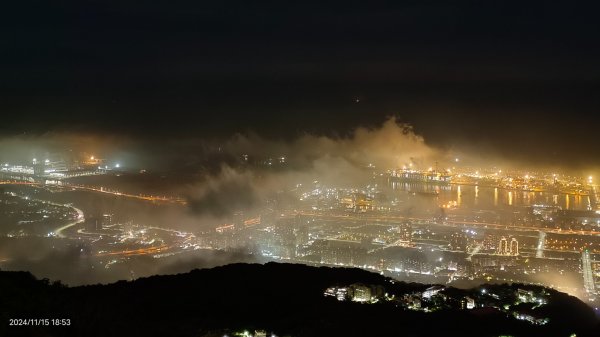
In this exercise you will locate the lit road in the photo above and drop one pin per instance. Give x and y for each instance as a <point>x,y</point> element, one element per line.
<point>541,244</point>
<point>80,218</point>
<point>447,223</point>
<point>102,190</point>
<point>140,251</point>
<point>3,182</point>
<point>59,231</point>
<point>128,195</point>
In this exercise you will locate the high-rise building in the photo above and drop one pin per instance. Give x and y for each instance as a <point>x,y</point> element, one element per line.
<point>514,247</point>
<point>508,248</point>
<point>503,246</point>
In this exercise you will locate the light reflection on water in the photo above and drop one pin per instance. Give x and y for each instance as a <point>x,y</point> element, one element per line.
<point>484,197</point>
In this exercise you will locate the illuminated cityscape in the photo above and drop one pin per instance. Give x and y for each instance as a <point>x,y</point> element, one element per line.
<point>454,229</point>
<point>298,169</point>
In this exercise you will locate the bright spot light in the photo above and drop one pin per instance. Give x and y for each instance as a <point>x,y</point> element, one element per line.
<point>456,160</point>
<point>117,165</point>
<point>92,158</point>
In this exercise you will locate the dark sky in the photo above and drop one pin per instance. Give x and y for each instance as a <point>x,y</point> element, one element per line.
<point>519,78</point>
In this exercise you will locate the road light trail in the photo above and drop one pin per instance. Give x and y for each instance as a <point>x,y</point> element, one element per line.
<point>541,244</point>
<point>80,218</point>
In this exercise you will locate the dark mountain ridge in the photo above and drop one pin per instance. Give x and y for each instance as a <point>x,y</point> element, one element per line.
<point>283,300</point>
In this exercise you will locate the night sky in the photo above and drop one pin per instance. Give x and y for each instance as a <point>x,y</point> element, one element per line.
<point>519,79</point>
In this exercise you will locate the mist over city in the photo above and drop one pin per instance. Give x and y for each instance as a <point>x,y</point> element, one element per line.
<point>197,168</point>
<point>104,217</point>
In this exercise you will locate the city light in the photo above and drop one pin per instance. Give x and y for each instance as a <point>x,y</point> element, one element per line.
<point>236,171</point>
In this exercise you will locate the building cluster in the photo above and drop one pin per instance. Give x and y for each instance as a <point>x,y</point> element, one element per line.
<point>56,166</point>
<point>514,302</point>
<point>506,247</point>
<point>358,292</point>
<point>24,215</point>
<point>414,250</point>
<point>494,177</point>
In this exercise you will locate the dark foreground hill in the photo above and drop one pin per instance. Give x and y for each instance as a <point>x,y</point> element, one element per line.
<point>283,300</point>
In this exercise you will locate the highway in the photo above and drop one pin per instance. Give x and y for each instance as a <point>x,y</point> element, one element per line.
<point>134,252</point>
<point>102,190</point>
<point>127,195</point>
<point>80,218</point>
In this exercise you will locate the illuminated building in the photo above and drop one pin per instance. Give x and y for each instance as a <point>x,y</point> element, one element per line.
<point>503,247</point>
<point>340,252</point>
<point>39,167</point>
<point>431,176</point>
<point>467,303</point>
<point>359,202</point>
<point>405,231</point>
<point>432,291</point>
<point>360,293</point>
<point>341,294</point>
<point>514,247</point>
<point>508,248</point>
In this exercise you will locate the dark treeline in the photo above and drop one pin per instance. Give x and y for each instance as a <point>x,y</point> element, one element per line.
<point>283,298</point>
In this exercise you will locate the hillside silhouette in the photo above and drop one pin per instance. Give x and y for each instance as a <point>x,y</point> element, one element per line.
<point>283,299</point>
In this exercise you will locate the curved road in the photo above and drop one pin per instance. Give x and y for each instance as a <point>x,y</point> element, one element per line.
<point>80,218</point>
